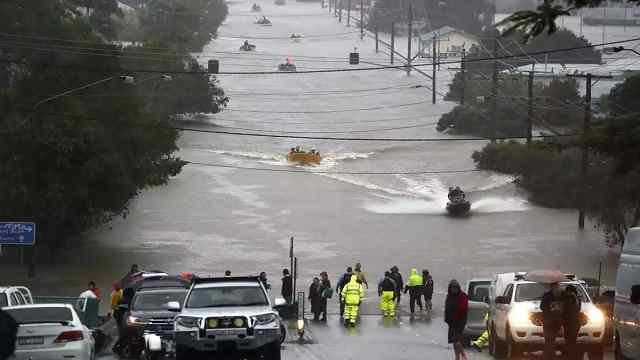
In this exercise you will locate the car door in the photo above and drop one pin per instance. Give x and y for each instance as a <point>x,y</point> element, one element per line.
<point>627,314</point>
<point>479,292</point>
<point>502,313</point>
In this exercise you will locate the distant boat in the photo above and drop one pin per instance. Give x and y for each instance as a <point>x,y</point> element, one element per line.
<point>304,158</point>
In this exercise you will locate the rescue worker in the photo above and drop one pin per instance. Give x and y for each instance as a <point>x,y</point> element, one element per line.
<point>387,293</point>
<point>362,279</point>
<point>397,277</point>
<point>552,306</point>
<point>414,287</point>
<point>483,340</point>
<point>344,280</point>
<point>427,289</point>
<point>572,308</point>
<point>116,296</point>
<point>352,295</point>
<point>287,286</point>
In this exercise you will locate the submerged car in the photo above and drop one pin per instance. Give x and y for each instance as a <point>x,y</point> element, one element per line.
<point>51,331</point>
<point>228,316</point>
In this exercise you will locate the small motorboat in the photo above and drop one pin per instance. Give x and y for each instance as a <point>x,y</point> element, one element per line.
<point>263,21</point>
<point>458,206</point>
<point>247,47</point>
<point>296,37</point>
<point>287,67</point>
<point>256,8</point>
<point>297,155</point>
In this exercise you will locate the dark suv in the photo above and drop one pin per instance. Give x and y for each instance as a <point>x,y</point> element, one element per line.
<point>149,314</point>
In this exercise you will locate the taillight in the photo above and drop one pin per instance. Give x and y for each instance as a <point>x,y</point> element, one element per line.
<point>69,336</point>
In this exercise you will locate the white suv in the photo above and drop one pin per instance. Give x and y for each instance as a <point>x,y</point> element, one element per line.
<point>230,314</point>
<point>516,319</point>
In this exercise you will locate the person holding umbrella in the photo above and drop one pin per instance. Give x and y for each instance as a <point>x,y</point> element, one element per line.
<point>552,306</point>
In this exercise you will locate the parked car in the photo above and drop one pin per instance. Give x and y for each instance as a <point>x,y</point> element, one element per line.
<point>14,296</point>
<point>479,291</point>
<point>227,315</point>
<point>516,319</point>
<point>149,313</point>
<point>627,303</point>
<point>51,331</point>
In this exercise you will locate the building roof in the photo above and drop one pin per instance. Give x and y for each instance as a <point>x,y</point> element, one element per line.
<point>444,31</point>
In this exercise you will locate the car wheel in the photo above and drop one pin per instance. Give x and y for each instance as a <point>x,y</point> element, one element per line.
<point>499,346</point>
<point>270,351</point>
<point>596,353</point>
<point>513,349</point>
<point>283,333</point>
<point>618,349</point>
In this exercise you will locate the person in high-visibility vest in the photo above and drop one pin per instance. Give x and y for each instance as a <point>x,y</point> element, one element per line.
<point>387,293</point>
<point>352,295</point>
<point>483,340</point>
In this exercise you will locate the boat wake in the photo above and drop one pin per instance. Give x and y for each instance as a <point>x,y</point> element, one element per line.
<point>437,206</point>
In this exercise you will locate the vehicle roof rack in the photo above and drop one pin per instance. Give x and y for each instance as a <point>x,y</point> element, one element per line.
<point>570,276</point>
<point>206,280</point>
<point>520,276</point>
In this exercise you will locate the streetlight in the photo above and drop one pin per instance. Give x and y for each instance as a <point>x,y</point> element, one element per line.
<point>617,49</point>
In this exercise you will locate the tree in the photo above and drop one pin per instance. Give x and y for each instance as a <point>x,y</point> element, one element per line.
<point>535,22</point>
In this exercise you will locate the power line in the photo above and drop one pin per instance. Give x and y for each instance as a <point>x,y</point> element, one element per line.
<point>331,132</point>
<point>336,70</point>
<point>286,37</point>
<point>426,172</point>
<point>395,106</point>
<point>422,116</point>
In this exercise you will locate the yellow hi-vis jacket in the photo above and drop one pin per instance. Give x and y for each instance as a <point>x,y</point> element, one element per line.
<point>415,279</point>
<point>353,292</point>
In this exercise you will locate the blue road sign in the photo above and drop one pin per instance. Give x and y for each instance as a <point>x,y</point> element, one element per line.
<point>17,233</point>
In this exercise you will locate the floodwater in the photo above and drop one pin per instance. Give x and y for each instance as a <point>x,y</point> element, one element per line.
<point>210,218</point>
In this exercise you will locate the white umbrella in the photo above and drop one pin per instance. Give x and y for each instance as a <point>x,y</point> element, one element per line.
<point>545,276</point>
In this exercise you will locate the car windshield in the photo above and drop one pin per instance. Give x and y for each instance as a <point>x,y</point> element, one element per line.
<point>535,291</point>
<point>157,300</point>
<point>479,291</point>
<point>37,315</point>
<point>3,300</point>
<point>227,296</point>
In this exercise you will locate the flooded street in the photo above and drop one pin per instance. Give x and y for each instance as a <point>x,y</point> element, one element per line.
<point>210,218</point>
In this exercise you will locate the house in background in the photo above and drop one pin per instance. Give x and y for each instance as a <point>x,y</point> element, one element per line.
<point>450,42</point>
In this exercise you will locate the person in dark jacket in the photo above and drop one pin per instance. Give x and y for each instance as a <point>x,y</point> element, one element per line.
<point>387,292</point>
<point>8,335</point>
<point>572,308</point>
<point>344,280</point>
<point>124,334</point>
<point>314,298</point>
<point>427,289</point>
<point>455,315</point>
<point>325,294</point>
<point>287,286</point>
<point>552,306</point>
<point>397,277</point>
<point>264,280</point>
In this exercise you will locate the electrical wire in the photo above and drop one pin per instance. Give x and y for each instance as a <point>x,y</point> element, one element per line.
<point>425,172</point>
<point>337,70</point>
<point>331,132</point>
<point>383,107</point>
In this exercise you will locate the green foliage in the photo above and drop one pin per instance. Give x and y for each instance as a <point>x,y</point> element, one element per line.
<point>471,16</point>
<point>182,24</point>
<point>554,105</point>
<point>535,23</point>
<point>77,161</point>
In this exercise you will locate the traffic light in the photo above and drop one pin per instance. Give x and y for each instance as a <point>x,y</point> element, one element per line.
<point>354,58</point>
<point>214,66</point>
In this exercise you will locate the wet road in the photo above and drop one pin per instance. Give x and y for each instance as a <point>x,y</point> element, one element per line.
<point>374,338</point>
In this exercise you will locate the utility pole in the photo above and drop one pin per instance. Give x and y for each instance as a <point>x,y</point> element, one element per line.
<point>586,131</point>
<point>530,108</point>
<point>361,19</point>
<point>433,74</point>
<point>377,46</point>
<point>464,75</point>
<point>335,7</point>
<point>340,12</point>
<point>494,93</point>
<point>410,24</point>
<point>349,13</point>
<point>393,40</point>
<point>330,6</point>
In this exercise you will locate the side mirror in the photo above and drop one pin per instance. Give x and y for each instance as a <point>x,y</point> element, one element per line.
<point>174,306</point>
<point>502,300</point>
<point>635,295</point>
<point>279,301</point>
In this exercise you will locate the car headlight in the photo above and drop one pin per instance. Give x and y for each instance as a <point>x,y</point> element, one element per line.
<point>239,322</point>
<point>265,319</point>
<point>188,321</point>
<point>133,320</point>
<point>595,316</point>
<point>519,315</point>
